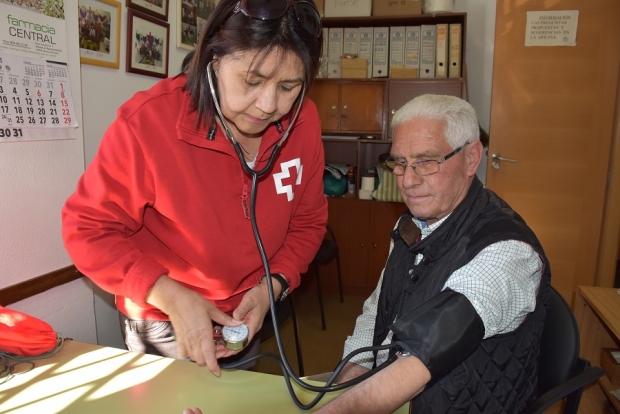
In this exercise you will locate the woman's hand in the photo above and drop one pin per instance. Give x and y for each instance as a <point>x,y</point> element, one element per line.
<point>254,306</point>
<point>191,316</point>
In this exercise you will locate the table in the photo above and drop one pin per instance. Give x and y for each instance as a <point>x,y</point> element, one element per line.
<point>597,310</point>
<point>89,379</point>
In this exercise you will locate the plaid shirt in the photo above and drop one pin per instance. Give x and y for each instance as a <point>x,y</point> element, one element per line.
<point>501,283</point>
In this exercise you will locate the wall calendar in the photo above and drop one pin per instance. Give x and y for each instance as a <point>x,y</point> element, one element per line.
<point>35,99</point>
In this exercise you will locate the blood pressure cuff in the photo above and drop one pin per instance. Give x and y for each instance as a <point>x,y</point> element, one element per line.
<point>442,332</point>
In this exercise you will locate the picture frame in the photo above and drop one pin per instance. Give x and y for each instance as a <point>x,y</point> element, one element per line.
<point>192,16</point>
<point>155,8</point>
<point>148,45</point>
<point>100,32</point>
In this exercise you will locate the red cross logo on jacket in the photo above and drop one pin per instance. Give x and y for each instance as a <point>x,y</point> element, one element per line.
<point>278,178</point>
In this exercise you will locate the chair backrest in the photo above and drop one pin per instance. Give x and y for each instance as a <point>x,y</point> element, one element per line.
<point>328,250</point>
<point>284,311</point>
<point>559,348</point>
<point>331,233</point>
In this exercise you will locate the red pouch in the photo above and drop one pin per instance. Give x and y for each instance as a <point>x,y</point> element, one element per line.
<point>25,335</point>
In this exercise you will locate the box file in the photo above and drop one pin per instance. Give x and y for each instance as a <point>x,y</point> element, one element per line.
<point>380,52</point>
<point>397,48</point>
<point>351,42</point>
<point>334,52</point>
<point>454,59</point>
<point>365,37</point>
<point>412,48</point>
<point>323,66</point>
<point>427,53</point>
<point>441,47</point>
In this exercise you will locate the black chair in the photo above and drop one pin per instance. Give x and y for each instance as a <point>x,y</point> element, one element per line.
<point>285,310</point>
<point>327,252</point>
<point>561,373</point>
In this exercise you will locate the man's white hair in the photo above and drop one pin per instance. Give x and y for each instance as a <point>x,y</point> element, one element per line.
<point>457,115</point>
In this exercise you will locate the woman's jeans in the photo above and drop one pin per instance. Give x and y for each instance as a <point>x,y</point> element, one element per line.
<point>157,338</point>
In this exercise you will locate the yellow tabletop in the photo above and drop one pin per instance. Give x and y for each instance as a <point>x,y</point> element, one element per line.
<point>88,379</point>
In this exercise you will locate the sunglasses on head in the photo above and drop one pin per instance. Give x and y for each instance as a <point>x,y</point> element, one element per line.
<point>306,12</point>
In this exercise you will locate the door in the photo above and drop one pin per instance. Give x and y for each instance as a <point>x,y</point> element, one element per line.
<point>325,97</point>
<point>350,221</point>
<point>552,112</point>
<point>361,107</point>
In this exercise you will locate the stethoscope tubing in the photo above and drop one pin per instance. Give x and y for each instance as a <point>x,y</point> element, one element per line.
<point>283,361</point>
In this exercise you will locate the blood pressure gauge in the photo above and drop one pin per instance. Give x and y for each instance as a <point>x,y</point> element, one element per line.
<point>234,338</point>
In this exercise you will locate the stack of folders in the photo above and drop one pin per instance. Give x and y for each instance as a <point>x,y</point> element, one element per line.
<point>426,51</point>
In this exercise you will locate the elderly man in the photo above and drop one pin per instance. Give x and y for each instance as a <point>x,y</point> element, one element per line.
<point>465,287</point>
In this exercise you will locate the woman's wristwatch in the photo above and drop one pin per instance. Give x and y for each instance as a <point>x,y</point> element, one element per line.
<point>285,287</point>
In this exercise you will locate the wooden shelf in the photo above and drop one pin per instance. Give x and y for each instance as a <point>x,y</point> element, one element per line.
<point>364,107</point>
<point>608,387</point>
<point>387,80</point>
<point>414,20</point>
<point>358,140</point>
<point>606,303</point>
<point>597,311</point>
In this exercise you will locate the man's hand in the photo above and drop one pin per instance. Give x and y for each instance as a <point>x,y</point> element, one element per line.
<point>191,316</point>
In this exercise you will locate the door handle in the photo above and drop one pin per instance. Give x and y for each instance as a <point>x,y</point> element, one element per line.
<point>497,158</point>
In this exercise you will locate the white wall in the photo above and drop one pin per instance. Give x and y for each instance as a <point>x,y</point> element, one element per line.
<point>33,245</point>
<point>35,180</point>
<point>103,91</point>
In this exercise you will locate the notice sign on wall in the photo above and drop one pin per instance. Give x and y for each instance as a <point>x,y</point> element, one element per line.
<point>551,28</point>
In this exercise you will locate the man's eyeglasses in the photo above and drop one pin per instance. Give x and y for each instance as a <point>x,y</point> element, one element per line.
<point>420,167</point>
<point>306,12</point>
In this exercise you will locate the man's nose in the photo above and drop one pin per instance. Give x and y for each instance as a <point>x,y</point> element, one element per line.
<point>410,178</point>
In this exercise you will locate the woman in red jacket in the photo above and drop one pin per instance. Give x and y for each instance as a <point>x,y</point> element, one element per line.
<point>161,217</point>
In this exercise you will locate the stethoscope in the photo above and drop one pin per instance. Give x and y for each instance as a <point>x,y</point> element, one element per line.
<point>282,360</point>
<point>231,138</point>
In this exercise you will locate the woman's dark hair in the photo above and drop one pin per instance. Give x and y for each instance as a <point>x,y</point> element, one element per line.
<point>226,33</point>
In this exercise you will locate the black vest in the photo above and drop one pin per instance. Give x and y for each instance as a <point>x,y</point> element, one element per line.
<point>501,374</point>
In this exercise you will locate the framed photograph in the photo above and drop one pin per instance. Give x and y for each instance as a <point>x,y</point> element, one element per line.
<point>100,32</point>
<point>148,45</point>
<point>192,17</point>
<point>155,8</point>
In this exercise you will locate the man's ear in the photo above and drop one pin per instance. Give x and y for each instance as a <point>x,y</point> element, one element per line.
<point>473,154</point>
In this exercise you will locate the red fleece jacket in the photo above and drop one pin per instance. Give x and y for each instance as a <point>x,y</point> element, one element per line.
<point>160,198</point>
